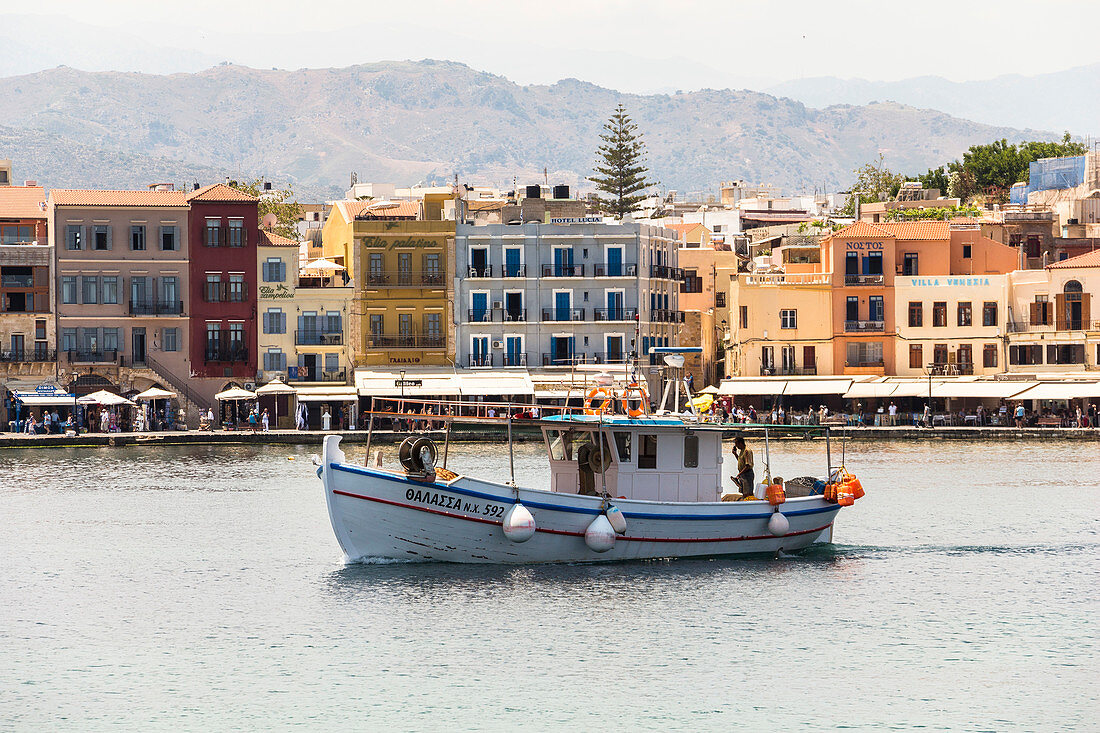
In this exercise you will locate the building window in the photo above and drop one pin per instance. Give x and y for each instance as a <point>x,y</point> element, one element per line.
<point>939,354</point>
<point>212,233</point>
<point>274,360</point>
<point>376,274</point>
<point>1065,354</point>
<point>110,289</point>
<point>1040,311</point>
<point>939,314</point>
<point>213,288</point>
<point>274,321</point>
<point>767,359</point>
<point>236,288</point>
<point>40,329</point>
<point>691,450</point>
<point>171,339</point>
<point>168,241</point>
<point>74,236</point>
<point>274,270</point>
<point>965,355</point>
<point>788,318</point>
<point>332,362</point>
<point>876,308</point>
<point>966,251</point>
<point>989,313</point>
<point>989,356</point>
<point>647,451</point>
<point>1027,354</point>
<point>236,336</point>
<point>432,328</point>
<point>916,314</point>
<point>965,314</point>
<point>377,325</point>
<point>101,237</point>
<point>916,356</point>
<point>68,339</point>
<point>864,353</point>
<point>909,264</point>
<point>691,283</point>
<point>137,237</point>
<point>744,310</point>
<point>787,362</point>
<point>720,299</point>
<point>89,286</point>
<point>236,233</point>
<point>139,290</point>
<point>68,289</point>
<point>404,268</point>
<point>1034,245</point>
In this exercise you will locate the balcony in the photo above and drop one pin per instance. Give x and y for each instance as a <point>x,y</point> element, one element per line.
<point>224,236</point>
<point>614,314</point>
<point>404,279</point>
<point>788,371</point>
<point>514,271</point>
<point>864,326</point>
<point>945,369</point>
<point>26,356</point>
<point>663,315</point>
<point>92,357</point>
<point>1071,324</point>
<point>405,341</point>
<point>878,279</point>
<point>865,364</point>
<point>318,338</point>
<point>596,357</point>
<point>563,270</point>
<point>156,308</point>
<point>317,374</point>
<point>514,315</point>
<point>606,357</point>
<point>663,272</point>
<point>621,270</point>
<point>515,360</point>
<point>563,315</point>
<point>230,353</point>
<point>479,271</point>
<point>480,361</point>
<point>225,292</point>
<point>479,315</point>
<point>782,278</point>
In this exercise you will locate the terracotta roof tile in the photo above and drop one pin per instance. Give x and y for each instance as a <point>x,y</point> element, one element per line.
<point>862,229</point>
<point>388,210</point>
<point>1089,259</point>
<point>935,230</point>
<point>271,239</point>
<point>219,192</point>
<point>22,202</point>
<point>89,197</point>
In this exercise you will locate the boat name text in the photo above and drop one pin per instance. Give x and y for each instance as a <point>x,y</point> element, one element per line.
<point>431,498</point>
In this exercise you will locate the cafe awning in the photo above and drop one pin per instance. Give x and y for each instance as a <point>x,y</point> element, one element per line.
<point>984,389</point>
<point>911,388</point>
<point>495,383</point>
<point>327,394</point>
<point>739,387</point>
<point>870,390</point>
<point>44,399</point>
<point>371,383</point>
<point>817,386</point>
<point>1060,391</point>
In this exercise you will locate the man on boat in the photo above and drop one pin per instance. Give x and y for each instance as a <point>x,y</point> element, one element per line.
<point>745,477</point>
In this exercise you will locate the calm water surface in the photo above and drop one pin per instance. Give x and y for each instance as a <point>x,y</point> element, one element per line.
<point>200,588</point>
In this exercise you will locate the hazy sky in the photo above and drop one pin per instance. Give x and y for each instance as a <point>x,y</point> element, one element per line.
<point>638,45</point>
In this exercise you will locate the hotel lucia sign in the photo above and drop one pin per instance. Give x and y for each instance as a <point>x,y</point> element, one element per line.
<point>402,243</point>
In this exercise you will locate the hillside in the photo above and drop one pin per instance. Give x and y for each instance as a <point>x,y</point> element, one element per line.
<point>427,120</point>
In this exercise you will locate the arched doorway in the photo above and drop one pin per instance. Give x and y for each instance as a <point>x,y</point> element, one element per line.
<point>85,384</point>
<point>1073,310</point>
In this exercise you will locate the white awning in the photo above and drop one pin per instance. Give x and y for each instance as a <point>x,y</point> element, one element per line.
<point>911,388</point>
<point>1060,391</point>
<point>275,387</point>
<point>870,390</point>
<point>752,386</point>
<point>817,386</point>
<point>103,397</point>
<point>986,389</point>
<point>327,394</point>
<point>495,383</point>
<point>235,393</point>
<point>417,384</point>
<point>44,399</point>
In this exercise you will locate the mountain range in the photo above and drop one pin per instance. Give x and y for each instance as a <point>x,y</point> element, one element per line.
<point>431,120</point>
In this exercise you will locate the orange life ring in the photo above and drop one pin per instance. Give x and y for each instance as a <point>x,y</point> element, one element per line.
<point>592,395</point>
<point>641,396</point>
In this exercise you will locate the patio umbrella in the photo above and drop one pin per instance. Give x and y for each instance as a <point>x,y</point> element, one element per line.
<point>235,393</point>
<point>103,397</point>
<point>708,390</point>
<point>275,388</point>
<point>323,265</point>
<point>154,393</point>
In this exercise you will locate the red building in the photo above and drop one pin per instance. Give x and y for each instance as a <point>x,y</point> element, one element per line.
<point>224,226</point>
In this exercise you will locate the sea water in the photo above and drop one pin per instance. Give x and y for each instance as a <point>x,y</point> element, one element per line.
<point>200,588</point>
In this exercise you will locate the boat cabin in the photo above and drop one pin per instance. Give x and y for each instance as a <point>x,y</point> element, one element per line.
<point>648,458</point>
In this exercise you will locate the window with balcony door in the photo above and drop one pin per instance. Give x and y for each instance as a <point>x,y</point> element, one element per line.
<point>101,237</point>
<point>168,241</point>
<point>213,288</point>
<point>910,265</point>
<point>90,286</point>
<point>212,233</point>
<point>767,359</point>
<point>851,308</point>
<point>236,289</point>
<point>377,325</point>
<point>744,313</point>
<point>1025,354</point>
<point>965,356</point>
<point>989,356</point>
<point>939,314</point>
<point>137,238</point>
<point>989,313</point>
<point>213,339</point>
<point>939,353</point>
<point>376,274</point>
<point>1041,311</point>
<point>433,271</point>
<point>237,236</point>
<point>787,359</point>
<point>110,289</point>
<point>916,314</point>
<point>877,307</point>
<point>432,328</point>
<point>965,314</point>
<point>916,356</point>
<point>788,318</point>
<point>404,268</point>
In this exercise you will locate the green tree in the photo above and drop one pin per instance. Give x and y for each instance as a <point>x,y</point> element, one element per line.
<point>280,202</point>
<point>874,182</point>
<point>937,178</point>
<point>621,166</point>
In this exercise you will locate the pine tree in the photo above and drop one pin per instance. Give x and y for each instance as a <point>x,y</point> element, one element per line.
<point>621,171</point>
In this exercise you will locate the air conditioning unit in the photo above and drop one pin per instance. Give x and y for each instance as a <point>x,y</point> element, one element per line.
<point>498,344</point>
<point>250,386</point>
<point>497,304</point>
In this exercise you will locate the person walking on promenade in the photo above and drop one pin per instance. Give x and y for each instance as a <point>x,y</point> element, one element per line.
<point>104,421</point>
<point>926,420</point>
<point>265,422</point>
<point>1020,414</point>
<point>252,420</point>
<point>981,416</point>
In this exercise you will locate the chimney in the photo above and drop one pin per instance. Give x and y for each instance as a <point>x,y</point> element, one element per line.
<point>30,183</point>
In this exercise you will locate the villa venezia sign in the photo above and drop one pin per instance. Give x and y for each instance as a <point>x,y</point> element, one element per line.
<point>386,242</point>
<point>936,282</point>
<point>279,292</point>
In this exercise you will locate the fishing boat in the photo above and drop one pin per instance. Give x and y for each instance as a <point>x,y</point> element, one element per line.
<point>625,484</point>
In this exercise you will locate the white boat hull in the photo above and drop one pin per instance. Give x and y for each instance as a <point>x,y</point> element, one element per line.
<point>378,514</point>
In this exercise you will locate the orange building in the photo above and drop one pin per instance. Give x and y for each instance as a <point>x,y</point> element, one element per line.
<point>864,259</point>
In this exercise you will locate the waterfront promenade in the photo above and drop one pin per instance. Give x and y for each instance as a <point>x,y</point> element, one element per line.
<point>494,433</point>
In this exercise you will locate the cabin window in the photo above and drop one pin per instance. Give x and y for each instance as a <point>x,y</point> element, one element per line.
<point>691,450</point>
<point>557,445</point>
<point>647,451</point>
<point>622,443</point>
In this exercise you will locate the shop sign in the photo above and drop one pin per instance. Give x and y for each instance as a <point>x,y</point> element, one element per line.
<point>278,292</point>
<point>860,246</point>
<point>576,220</point>
<point>956,282</point>
<point>406,243</point>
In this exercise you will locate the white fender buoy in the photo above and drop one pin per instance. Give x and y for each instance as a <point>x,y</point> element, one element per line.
<point>600,535</point>
<point>778,524</point>
<point>519,525</point>
<point>616,518</point>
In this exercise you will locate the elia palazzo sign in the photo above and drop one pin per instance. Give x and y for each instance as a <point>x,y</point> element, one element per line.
<point>375,242</point>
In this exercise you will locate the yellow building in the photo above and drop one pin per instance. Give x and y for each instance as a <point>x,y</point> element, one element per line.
<point>403,278</point>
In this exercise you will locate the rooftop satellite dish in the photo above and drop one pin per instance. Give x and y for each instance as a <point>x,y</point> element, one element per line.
<point>674,360</point>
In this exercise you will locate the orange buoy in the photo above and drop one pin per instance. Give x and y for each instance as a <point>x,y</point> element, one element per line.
<point>830,492</point>
<point>844,495</point>
<point>775,494</point>
<point>855,486</point>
